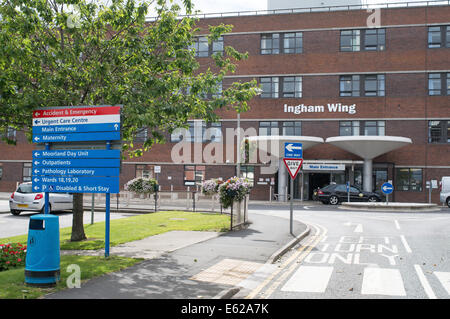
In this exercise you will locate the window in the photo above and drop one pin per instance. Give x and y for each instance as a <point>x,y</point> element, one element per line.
<point>26,172</point>
<point>350,40</point>
<point>348,128</point>
<point>366,128</point>
<point>141,135</point>
<point>248,172</point>
<point>292,86</point>
<point>439,37</point>
<point>293,42</point>
<point>374,85</point>
<point>144,171</point>
<point>292,128</point>
<point>439,131</point>
<point>374,39</point>
<point>9,133</point>
<point>203,49</point>
<point>269,87</point>
<point>274,43</point>
<point>363,40</point>
<point>438,84</point>
<point>349,85</point>
<point>1,172</point>
<point>270,43</point>
<point>379,177</point>
<point>409,179</point>
<point>193,174</point>
<point>213,132</point>
<point>268,128</point>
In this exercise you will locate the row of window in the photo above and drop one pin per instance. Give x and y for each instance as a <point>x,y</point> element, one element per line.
<point>349,85</point>
<point>199,131</point>
<point>350,41</point>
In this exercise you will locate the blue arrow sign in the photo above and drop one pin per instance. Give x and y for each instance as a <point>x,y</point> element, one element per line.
<point>69,163</point>
<point>387,188</point>
<point>47,154</point>
<point>76,128</point>
<point>293,150</point>
<point>76,184</point>
<point>77,137</point>
<point>77,171</point>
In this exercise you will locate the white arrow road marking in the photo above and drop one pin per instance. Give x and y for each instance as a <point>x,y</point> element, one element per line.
<point>423,280</point>
<point>358,228</point>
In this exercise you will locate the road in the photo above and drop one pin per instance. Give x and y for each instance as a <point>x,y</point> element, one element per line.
<point>18,225</point>
<point>352,255</point>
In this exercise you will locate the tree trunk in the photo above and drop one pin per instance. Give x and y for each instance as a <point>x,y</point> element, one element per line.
<point>77,221</point>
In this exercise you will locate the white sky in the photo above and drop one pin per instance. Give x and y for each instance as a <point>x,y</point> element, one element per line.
<point>221,6</point>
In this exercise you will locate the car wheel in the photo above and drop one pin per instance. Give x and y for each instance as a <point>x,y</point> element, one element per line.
<point>334,200</point>
<point>15,212</point>
<point>49,209</point>
<point>373,199</point>
<point>448,202</point>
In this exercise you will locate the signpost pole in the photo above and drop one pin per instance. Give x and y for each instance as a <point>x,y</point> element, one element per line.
<point>46,194</point>
<point>292,207</point>
<point>107,213</point>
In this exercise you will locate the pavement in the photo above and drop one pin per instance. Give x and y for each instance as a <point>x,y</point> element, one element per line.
<point>179,265</point>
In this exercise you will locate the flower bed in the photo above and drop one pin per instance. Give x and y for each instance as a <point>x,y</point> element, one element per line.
<point>12,255</point>
<point>233,190</point>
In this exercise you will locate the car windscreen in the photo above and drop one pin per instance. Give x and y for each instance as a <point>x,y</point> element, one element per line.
<point>328,187</point>
<point>25,188</point>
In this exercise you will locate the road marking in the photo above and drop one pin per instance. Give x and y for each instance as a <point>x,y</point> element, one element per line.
<point>358,229</point>
<point>382,281</point>
<point>307,246</point>
<point>309,279</point>
<point>423,280</point>
<point>396,224</point>
<point>444,278</point>
<point>405,243</point>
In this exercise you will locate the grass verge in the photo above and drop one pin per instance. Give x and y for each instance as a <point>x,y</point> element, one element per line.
<point>12,282</point>
<point>137,227</point>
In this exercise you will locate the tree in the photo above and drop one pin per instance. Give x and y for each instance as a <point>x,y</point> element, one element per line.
<point>79,52</point>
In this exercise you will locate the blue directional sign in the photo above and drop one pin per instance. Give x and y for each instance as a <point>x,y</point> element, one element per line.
<point>387,188</point>
<point>48,154</point>
<point>77,137</point>
<point>80,128</point>
<point>293,150</point>
<point>108,162</point>
<point>76,184</point>
<point>79,171</point>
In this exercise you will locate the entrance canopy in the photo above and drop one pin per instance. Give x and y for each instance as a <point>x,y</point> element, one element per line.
<point>368,147</point>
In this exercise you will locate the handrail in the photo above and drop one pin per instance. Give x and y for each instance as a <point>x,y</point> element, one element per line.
<point>388,5</point>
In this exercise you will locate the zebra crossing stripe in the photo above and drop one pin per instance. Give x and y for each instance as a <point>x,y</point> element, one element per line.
<point>444,278</point>
<point>309,279</point>
<point>382,281</point>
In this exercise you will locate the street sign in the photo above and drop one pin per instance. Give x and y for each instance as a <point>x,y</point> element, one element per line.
<point>70,163</point>
<point>293,165</point>
<point>76,154</point>
<point>157,169</point>
<point>387,188</point>
<point>76,124</point>
<point>75,184</point>
<point>293,150</point>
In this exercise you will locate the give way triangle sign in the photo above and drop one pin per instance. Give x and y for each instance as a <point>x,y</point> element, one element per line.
<point>293,165</point>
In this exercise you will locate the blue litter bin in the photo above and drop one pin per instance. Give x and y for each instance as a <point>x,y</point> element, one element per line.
<point>42,263</point>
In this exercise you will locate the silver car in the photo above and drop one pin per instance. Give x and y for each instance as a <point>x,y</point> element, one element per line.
<point>24,199</point>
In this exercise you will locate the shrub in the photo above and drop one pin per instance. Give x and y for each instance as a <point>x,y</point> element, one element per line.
<point>234,189</point>
<point>142,185</point>
<point>12,255</point>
